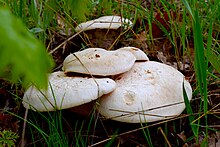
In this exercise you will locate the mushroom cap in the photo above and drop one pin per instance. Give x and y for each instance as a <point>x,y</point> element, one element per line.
<point>150,91</point>
<point>97,61</point>
<point>138,53</point>
<point>105,22</point>
<point>66,92</point>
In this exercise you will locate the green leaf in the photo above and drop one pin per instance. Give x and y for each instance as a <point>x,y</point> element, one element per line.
<point>22,55</point>
<point>79,8</point>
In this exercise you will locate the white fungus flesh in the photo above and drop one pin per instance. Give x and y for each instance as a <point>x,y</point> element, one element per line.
<point>97,61</point>
<point>105,22</point>
<point>65,92</point>
<point>149,92</point>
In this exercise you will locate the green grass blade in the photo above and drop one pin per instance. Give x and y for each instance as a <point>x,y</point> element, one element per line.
<point>147,135</point>
<point>188,8</point>
<point>189,111</point>
<point>209,42</point>
<point>210,55</point>
<point>110,142</point>
<point>200,64</point>
<point>213,59</point>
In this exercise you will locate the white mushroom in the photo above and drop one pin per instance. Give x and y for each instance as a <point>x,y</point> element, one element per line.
<point>150,91</point>
<point>66,92</point>
<point>139,54</point>
<point>103,32</point>
<point>105,22</point>
<point>97,61</point>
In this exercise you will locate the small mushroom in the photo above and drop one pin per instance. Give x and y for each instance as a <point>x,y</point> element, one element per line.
<point>105,22</point>
<point>103,32</point>
<point>65,92</point>
<point>150,91</point>
<point>97,61</point>
<point>139,54</point>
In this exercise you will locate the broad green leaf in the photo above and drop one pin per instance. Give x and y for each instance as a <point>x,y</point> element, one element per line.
<point>22,55</point>
<point>79,8</point>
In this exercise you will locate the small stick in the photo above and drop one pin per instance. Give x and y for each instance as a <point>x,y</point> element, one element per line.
<point>24,127</point>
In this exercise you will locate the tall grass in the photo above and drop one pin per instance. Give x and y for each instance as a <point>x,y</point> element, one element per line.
<point>54,136</point>
<point>41,16</point>
<point>202,57</point>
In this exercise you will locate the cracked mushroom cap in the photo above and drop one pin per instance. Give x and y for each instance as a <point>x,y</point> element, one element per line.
<point>138,53</point>
<point>66,92</point>
<point>105,22</point>
<point>97,61</point>
<point>150,91</point>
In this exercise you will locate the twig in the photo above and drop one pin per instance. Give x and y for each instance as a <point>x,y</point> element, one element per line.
<point>24,127</point>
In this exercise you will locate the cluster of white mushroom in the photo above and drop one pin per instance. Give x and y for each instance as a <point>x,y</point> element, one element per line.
<point>130,87</point>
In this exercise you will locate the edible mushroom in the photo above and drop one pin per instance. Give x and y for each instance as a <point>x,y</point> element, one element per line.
<point>139,54</point>
<point>104,22</point>
<point>103,32</point>
<point>97,61</point>
<point>65,92</point>
<point>149,92</point>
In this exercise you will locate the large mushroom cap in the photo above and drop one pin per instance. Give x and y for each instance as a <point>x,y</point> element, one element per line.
<point>66,92</point>
<point>139,54</point>
<point>105,22</point>
<point>149,92</point>
<point>97,61</point>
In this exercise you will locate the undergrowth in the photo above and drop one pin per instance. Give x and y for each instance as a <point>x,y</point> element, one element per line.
<point>188,30</point>
<point>8,138</point>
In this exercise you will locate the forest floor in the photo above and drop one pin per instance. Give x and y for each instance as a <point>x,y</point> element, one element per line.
<point>93,129</point>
